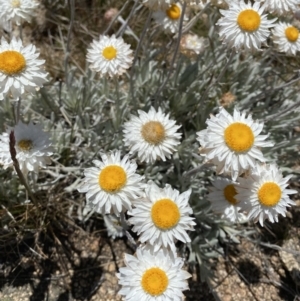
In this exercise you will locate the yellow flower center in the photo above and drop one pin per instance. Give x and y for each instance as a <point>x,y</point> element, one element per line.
<point>153,132</point>
<point>25,145</point>
<point>230,193</point>
<point>173,12</point>
<point>12,62</point>
<point>112,178</point>
<point>15,3</point>
<point>269,194</point>
<point>165,214</point>
<point>239,137</point>
<point>155,281</point>
<point>109,52</point>
<point>292,33</point>
<point>248,20</point>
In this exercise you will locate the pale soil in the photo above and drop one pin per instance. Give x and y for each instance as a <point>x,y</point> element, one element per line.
<point>81,265</point>
<point>77,267</point>
<point>250,271</point>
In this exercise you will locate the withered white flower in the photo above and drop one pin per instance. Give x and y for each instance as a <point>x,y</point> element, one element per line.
<point>193,43</point>
<point>113,226</point>
<point>151,135</point>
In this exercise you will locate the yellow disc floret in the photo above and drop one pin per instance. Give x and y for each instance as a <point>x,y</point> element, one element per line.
<point>165,214</point>
<point>248,20</point>
<point>153,132</point>
<point>109,52</point>
<point>230,193</point>
<point>269,194</point>
<point>239,137</point>
<point>25,145</point>
<point>173,12</point>
<point>292,33</point>
<point>112,178</point>
<point>15,3</point>
<point>154,281</point>
<point>12,62</point>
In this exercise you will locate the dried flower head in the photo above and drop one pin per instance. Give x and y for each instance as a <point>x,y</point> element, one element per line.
<point>151,135</point>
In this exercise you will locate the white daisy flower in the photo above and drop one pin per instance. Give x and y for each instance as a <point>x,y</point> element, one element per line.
<point>149,277</point>
<point>286,38</point>
<point>162,216</point>
<point>20,70</point>
<point>243,26</point>
<point>280,7</point>
<point>169,18</point>
<point>223,201</point>
<point>263,193</point>
<point>32,145</point>
<point>109,56</point>
<point>17,10</point>
<point>112,185</point>
<point>232,142</point>
<point>151,135</point>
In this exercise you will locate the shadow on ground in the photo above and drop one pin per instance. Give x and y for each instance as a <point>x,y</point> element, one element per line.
<point>59,259</point>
